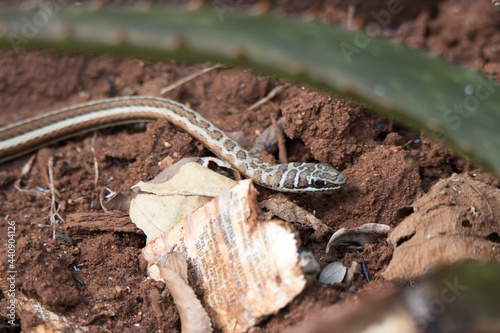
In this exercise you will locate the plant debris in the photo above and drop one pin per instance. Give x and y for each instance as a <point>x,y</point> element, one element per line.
<point>245,268</point>
<point>458,220</point>
<point>358,237</point>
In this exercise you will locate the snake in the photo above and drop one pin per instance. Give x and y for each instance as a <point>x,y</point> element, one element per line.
<point>28,135</point>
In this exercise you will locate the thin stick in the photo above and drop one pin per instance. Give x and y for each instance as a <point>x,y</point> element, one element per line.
<point>365,270</point>
<point>38,192</point>
<point>27,167</point>
<point>282,153</point>
<point>53,211</point>
<point>350,16</point>
<point>268,97</point>
<point>189,78</point>
<point>96,164</point>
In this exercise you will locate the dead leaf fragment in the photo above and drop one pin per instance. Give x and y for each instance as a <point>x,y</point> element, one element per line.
<point>194,318</point>
<point>361,236</point>
<point>459,219</point>
<point>157,207</point>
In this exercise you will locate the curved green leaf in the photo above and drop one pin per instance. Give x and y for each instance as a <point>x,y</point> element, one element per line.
<point>457,105</point>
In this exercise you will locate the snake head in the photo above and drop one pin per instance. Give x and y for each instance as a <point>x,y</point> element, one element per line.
<point>310,177</point>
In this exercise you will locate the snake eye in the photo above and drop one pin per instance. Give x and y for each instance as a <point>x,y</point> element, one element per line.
<point>318,183</point>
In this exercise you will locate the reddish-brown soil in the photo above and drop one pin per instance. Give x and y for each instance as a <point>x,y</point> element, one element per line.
<point>388,166</point>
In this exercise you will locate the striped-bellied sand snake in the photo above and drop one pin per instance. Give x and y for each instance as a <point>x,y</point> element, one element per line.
<point>26,136</point>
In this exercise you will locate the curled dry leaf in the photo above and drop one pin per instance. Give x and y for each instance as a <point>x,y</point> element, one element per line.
<point>114,201</point>
<point>119,201</point>
<point>459,219</point>
<point>365,234</point>
<point>157,207</point>
<point>246,268</point>
<point>332,273</point>
<point>279,205</point>
<point>173,270</point>
<point>170,171</point>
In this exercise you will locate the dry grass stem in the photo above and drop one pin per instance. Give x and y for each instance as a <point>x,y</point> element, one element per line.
<point>189,78</point>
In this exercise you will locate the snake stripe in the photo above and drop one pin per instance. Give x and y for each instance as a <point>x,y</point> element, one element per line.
<point>25,136</point>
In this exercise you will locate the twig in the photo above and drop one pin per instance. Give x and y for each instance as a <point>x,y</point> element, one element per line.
<point>365,270</point>
<point>25,170</point>
<point>282,153</point>
<point>189,78</point>
<point>53,197</point>
<point>350,16</point>
<point>27,167</point>
<point>268,97</point>
<point>54,211</point>
<point>38,192</point>
<point>96,164</point>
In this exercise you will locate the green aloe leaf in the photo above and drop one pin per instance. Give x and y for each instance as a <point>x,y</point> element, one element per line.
<point>457,105</point>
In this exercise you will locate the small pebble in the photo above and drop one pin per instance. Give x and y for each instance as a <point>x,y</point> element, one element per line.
<point>333,273</point>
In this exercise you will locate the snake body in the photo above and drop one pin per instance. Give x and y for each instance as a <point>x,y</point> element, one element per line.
<point>26,136</point>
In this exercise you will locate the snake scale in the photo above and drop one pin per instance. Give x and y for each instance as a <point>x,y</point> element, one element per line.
<point>25,136</point>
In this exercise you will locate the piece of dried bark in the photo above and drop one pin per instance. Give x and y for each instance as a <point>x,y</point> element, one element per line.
<point>93,221</point>
<point>279,205</point>
<point>459,219</point>
<point>173,270</point>
<point>358,237</point>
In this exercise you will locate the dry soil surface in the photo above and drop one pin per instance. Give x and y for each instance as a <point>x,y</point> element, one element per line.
<point>388,166</point>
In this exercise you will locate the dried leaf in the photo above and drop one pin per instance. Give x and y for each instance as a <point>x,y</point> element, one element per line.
<point>170,171</point>
<point>246,268</point>
<point>118,201</point>
<point>459,219</point>
<point>194,318</point>
<point>365,234</point>
<point>157,207</point>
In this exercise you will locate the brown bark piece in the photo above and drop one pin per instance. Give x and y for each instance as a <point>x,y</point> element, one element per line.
<point>279,205</point>
<point>97,221</point>
<point>459,219</point>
